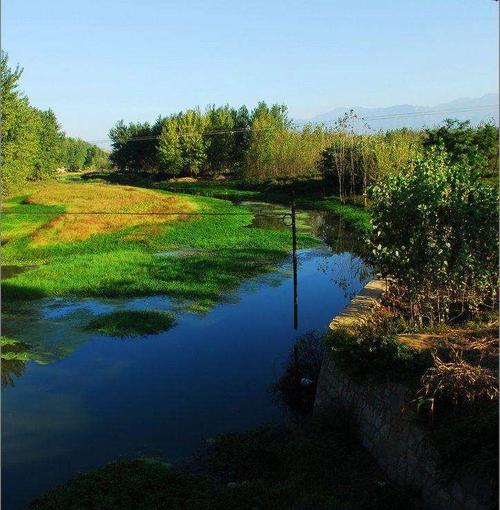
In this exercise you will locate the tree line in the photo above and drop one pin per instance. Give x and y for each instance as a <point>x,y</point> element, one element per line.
<point>262,145</point>
<point>33,146</point>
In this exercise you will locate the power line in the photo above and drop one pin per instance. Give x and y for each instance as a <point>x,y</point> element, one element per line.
<point>416,114</point>
<point>122,213</point>
<point>304,124</point>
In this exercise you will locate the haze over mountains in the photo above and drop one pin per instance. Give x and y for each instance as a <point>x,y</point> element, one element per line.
<point>480,109</point>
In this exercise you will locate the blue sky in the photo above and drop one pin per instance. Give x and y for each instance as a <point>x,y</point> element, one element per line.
<point>94,62</point>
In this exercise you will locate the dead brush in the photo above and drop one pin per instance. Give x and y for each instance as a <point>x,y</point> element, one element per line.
<point>457,382</point>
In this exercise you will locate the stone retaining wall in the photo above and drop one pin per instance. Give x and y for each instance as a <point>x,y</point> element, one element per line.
<point>387,424</point>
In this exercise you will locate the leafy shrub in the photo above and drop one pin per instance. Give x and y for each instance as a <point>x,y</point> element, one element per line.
<point>435,234</point>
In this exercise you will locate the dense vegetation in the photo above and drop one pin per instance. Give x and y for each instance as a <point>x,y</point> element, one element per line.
<point>435,238</point>
<point>258,146</point>
<point>263,146</point>
<point>33,145</point>
<point>435,234</point>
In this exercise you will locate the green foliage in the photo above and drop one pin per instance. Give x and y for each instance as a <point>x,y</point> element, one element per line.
<point>74,154</point>
<point>131,323</point>
<point>134,146</point>
<point>475,146</point>
<point>435,233</point>
<point>50,145</point>
<point>319,465</point>
<point>20,128</point>
<point>186,144</point>
<point>259,146</point>
<point>221,142</point>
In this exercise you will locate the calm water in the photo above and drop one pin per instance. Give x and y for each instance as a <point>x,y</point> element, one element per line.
<point>89,399</point>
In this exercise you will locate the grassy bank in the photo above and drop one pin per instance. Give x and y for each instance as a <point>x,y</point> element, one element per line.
<point>93,255</point>
<point>319,465</point>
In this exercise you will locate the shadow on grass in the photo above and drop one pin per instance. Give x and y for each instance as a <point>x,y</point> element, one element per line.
<point>12,292</point>
<point>202,279</point>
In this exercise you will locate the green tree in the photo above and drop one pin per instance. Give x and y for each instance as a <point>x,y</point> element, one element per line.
<point>477,146</point>
<point>20,131</point>
<point>191,129</point>
<point>220,140</point>
<point>134,146</point>
<point>267,123</point>
<point>170,158</point>
<point>50,145</point>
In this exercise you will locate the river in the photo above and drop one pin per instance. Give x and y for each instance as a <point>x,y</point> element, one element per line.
<point>89,399</point>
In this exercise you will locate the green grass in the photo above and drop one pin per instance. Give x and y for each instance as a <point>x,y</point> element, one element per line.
<point>211,189</point>
<point>319,465</point>
<point>131,323</point>
<point>126,262</point>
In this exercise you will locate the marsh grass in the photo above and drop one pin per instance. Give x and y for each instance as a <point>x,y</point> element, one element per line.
<point>131,323</point>
<point>125,262</point>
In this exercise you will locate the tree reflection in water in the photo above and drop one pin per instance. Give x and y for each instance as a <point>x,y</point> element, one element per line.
<point>343,241</point>
<point>14,356</point>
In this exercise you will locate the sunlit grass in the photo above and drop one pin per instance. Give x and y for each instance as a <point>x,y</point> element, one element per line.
<point>127,261</point>
<point>77,199</point>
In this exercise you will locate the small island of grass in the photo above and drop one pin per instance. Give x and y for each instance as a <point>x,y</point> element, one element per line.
<point>131,323</point>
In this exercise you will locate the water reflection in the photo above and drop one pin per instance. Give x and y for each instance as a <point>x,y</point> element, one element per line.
<point>11,368</point>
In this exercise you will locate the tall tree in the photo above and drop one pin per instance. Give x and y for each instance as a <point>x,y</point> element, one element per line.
<point>50,145</point>
<point>20,130</point>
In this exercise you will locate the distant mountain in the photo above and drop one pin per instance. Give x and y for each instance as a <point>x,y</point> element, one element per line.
<point>476,110</point>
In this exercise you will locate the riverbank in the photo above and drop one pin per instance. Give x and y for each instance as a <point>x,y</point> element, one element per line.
<point>318,465</point>
<point>73,250</point>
